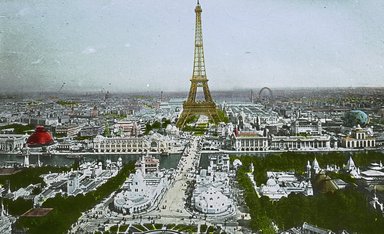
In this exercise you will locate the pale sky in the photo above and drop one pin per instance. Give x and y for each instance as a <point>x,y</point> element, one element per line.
<point>138,45</point>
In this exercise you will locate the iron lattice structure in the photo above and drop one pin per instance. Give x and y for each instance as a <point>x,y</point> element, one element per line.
<point>192,106</point>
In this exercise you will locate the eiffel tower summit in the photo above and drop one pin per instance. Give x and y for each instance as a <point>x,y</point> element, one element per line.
<point>192,106</point>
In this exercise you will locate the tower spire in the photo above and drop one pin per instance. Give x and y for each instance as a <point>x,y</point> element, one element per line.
<point>198,62</point>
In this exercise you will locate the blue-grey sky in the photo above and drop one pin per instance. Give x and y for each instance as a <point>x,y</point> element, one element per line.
<point>131,45</point>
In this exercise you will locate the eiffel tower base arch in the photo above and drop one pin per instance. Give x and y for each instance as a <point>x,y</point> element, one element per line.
<point>198,108</point>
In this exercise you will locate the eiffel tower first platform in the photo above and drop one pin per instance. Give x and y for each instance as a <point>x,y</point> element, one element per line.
<point>192,106</point>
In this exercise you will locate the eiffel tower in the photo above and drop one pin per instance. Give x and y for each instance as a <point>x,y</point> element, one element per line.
<point>192,106</point>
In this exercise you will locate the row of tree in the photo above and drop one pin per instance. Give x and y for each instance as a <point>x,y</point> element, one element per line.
<point>156,125</point>
<point>343,209</point>
<point>66,210</point>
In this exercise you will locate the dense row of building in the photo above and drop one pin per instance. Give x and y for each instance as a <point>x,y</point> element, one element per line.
<point>153,143</point>
<point>253,129</point>
<point>74,119</point>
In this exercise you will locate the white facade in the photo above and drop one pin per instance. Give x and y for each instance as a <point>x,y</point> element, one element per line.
<point>219,162</point>
<point>136,199</point>
<point>249,141</point>
<point>89,176</point>
<point>212,201</point>
<point>300,142</point>
<point>147,164</point>
<point>281,184</point>
<point>140,193</point>
<point>307,127</point>
<point>359,138</point>
<point>72,184</point>
<point>12,142</point>
<point>21,192</point>
<point>154,143</point>
<point>69,129</point>
<point>374,175</point>
<point>237,163</point>
<point>126,128</point>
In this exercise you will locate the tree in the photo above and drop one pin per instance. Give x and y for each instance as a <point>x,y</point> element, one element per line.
<point>342,209</point>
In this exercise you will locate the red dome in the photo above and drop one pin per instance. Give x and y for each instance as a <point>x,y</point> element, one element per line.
<point>41,137</point>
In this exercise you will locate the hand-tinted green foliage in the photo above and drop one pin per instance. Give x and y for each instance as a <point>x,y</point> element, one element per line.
<point>28,176</point>
<point>66,210</point>
<point>66,103</point>
<point>343,176</point>
<point>123,228</point>
<point>22,179</point>
<point>107,131</point>
<point>17,207</point>
<point>60,135</point>
<point>156,125</point>
<point>192,119</point>
<point>149,226</point>
<point>211,229</point>
<point>36,190</point>
<point>170,226</point>
<point>203,228</point>
<point>115,116</point>
<point>81,138</point>
<point>344,209</point>
<point>18,128</point>
<point>113,229</point>
<point>258,211</point>
<point>185,228</point>
<point>222,116</point>
<point>198,130</point>
<point>165,122</point>
<point>294,161</point>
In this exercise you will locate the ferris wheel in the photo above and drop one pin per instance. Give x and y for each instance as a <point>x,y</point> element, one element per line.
<point>266,95</point>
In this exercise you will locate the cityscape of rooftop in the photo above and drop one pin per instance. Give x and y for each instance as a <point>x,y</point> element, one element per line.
<point>95,138</point>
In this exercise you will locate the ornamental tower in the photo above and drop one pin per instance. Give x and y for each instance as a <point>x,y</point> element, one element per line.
<point>193,106</point>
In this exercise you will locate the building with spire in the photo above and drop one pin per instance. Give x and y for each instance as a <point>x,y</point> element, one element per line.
<point>6,220</point>
<point>308,169</point>
<point>352,169</point>
<point>26,156</point>
<point>316,166</point>
<point>147,164</point>
<point>142,190</point>
<point>192,106</point>
<point>281,184</point>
